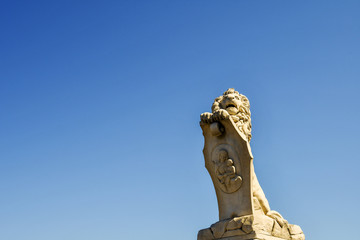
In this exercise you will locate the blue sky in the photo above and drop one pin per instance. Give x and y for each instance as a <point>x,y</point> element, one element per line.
<point>100,105</point>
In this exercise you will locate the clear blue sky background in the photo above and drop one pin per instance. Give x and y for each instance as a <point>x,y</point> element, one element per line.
<point>100,105</point>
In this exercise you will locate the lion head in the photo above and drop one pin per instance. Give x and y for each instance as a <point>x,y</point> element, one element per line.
<point>238,107</point>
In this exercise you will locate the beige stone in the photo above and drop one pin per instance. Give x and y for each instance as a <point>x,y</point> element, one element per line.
<point>244,211</point>
<point>236,232</point>
<point>219,228</point>
<point>294,229</point>
<point>235,223</point>
<point>205,234</point>
<point>280,231</point>
<point>263,223</point>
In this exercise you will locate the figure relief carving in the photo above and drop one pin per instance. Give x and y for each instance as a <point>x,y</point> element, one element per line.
<point>226,173</point>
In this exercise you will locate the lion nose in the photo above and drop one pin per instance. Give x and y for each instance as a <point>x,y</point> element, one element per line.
<point>231,96</point>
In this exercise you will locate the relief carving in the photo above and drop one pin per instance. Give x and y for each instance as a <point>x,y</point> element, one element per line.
<point>226,173</point>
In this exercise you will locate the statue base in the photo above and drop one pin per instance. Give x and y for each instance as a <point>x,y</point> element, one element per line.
<point>251,227</point>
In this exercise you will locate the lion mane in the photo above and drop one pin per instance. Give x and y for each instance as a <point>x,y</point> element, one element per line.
<point>242,115</point>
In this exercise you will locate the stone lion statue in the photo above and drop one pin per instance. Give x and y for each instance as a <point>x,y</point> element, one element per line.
<point>237,106</point>
<point>228,179</point>
<point>231,104</point>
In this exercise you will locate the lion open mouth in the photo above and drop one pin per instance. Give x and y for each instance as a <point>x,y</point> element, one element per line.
<point>231,108</point>
<point>230,105</point>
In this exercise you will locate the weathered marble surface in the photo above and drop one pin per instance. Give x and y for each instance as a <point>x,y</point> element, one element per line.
<point>244,212</point>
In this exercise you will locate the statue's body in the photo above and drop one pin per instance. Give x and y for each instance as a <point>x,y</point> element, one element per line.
<point>243,208</point>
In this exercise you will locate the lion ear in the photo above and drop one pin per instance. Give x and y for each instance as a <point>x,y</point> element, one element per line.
<point>215,107</point>
<point>218,99</point>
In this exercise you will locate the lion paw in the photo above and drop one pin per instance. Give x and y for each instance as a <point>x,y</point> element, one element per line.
<point>277,216</point>
<point>220,115</point>
<point>206,117</point>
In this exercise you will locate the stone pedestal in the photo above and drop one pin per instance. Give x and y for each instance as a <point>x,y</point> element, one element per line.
<point>256,226</point>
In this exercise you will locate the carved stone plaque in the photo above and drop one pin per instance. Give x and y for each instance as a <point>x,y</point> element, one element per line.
<point>233,190</point>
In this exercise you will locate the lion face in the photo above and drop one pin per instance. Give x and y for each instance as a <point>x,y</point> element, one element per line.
<point>238,107</point>
<point>231,103</point>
